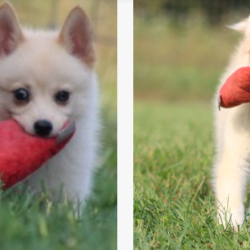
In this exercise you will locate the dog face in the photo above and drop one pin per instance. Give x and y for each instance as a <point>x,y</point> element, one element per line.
<point>45,77</point>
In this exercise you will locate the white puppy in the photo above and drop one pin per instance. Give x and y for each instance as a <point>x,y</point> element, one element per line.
<point>232,125</point>
<point>47,78</point>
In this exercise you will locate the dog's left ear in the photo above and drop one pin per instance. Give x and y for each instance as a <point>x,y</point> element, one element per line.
<point>77,36</point>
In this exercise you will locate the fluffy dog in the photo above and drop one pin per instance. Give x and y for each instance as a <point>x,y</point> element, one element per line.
<point>232,125</point>
<point>47,78</point>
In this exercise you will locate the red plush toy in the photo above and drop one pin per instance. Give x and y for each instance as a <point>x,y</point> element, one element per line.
<point>236,89</point>
<point>21,154</point>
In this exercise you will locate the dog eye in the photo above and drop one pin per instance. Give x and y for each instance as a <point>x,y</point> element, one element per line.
<point>62,96</point>
<point>21,94</point>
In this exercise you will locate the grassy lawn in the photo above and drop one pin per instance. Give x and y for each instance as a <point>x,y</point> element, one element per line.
<point>176,70</point>
<point>173,201</point>
<point>29,221</point>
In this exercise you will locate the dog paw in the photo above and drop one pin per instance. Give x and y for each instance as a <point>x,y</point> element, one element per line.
<point>235,217</point>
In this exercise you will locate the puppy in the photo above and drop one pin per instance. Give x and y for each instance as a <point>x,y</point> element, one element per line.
<point>46,79</point>
<point>232,164</point>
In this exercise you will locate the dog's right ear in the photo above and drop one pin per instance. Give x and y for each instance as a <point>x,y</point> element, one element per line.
<point>10,31</point>
<point>242,27</point>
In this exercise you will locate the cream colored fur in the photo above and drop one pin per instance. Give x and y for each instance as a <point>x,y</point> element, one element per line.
<point>45,62</point>
<point>232,165</point>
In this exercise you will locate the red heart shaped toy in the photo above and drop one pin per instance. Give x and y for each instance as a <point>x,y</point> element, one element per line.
<point>21,154</point>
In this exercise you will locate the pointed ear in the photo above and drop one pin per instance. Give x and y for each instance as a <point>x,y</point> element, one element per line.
<point>242,27</point>
<point>10,31</point>
<point>77,36</point>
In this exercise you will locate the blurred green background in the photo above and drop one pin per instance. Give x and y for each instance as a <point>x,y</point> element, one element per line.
<point>182,47</point>
<point>29,221</point>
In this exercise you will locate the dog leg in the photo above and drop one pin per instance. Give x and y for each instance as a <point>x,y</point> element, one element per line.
<point>230,185</point>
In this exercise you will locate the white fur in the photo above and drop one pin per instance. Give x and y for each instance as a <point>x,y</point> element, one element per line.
<point>232,126</point>
<point>44,65</point>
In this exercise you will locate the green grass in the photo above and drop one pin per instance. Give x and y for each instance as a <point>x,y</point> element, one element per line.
<point>173,199</point>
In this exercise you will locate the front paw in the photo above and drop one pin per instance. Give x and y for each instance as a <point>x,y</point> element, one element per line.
<point>234,216</point>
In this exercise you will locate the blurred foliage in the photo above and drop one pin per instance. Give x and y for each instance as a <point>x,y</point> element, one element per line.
<point>215,11</point>
<point>179,62</point>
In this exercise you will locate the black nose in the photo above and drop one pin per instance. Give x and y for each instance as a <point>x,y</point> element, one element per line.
<point>43,127</point>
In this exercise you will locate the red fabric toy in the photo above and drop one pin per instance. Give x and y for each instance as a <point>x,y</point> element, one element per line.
<point>236,89</point>
<point>21,154</point>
